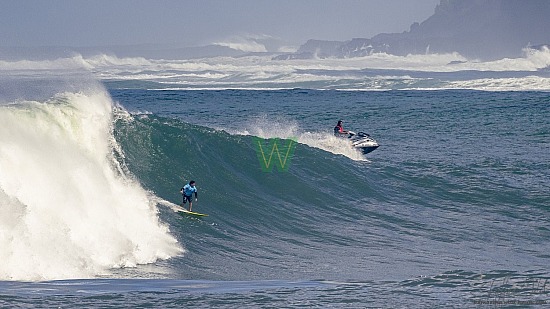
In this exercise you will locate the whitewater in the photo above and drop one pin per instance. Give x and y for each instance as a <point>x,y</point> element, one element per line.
<point>68,208</point>
<point>451,210</point>
<point>376,72</point>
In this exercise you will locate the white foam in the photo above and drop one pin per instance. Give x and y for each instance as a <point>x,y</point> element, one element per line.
<point>328,142</point>
<point>261,71</point>
<point>528,83</point>
<point>66,211</point>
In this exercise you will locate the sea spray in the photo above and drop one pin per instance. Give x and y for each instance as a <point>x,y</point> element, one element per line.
<point>282,128</point>
<point>66,210</point>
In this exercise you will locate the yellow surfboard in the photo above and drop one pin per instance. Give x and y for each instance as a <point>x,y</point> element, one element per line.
<point>187,212</point>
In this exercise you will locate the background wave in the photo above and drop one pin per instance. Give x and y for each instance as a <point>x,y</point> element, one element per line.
<point>259,71</point>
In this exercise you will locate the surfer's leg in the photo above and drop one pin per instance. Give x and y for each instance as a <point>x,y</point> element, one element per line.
<point>185,199</point>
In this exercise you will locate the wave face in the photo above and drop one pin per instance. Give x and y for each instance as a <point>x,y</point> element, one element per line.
<point>265,225</point>
<point>68,207</point>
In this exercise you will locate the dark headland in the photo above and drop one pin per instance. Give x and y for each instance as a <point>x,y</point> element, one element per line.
<point>478,29</point>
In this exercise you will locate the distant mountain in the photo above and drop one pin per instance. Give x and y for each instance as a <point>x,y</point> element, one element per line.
<point>481,29</point>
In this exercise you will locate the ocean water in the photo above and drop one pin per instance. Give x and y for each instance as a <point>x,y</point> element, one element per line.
<point>451,211</point>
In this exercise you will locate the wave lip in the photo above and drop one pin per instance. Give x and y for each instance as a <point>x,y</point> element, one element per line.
<point>68,208</point>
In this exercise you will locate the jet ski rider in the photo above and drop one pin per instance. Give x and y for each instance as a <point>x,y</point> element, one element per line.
<point>339,130</point>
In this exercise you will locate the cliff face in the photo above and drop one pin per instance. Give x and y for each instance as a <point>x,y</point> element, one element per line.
<point>482,29</point>
<point>486,29</point>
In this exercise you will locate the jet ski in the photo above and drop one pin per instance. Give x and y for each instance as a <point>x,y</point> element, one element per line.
<point>362,141</point>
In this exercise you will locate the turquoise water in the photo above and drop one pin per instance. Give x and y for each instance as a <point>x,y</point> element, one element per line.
<point>452,210</point>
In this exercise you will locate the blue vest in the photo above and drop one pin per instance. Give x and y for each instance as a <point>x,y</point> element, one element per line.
<point>188,190</point>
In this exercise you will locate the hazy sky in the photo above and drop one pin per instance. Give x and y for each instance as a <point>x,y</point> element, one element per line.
<point>199,22</point>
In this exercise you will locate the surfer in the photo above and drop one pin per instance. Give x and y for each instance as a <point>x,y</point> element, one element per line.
<point>339,129</point>
<point>187,193</point>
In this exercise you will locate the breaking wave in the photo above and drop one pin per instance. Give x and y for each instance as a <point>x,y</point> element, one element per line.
<point>69,208</point>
